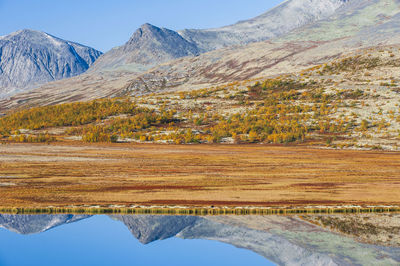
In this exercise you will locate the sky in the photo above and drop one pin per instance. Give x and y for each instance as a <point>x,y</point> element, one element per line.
<point>104,24</point>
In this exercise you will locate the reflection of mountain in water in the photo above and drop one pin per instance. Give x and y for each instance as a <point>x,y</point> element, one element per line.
<point>33,224</point>
<point>284,240</point>
<point>281,239</point>
<point>151,228</point>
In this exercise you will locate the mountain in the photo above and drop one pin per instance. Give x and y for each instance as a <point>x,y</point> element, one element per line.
<point>149,45</point>
<point>353,19</point>
<point>33,224</point>
<point>343,28</point>
<point>356,25</point>
<point>289,15</point>
<point>29,58</point>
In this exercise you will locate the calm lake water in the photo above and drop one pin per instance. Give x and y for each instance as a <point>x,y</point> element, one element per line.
<point>185,240</point>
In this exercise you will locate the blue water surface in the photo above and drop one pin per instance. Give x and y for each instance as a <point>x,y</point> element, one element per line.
<point>100,240</point>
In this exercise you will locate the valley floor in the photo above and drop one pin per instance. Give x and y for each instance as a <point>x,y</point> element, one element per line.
<point>76,174</point>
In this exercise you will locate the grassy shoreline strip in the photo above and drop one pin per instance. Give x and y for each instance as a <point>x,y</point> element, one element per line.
<point>200,211</point>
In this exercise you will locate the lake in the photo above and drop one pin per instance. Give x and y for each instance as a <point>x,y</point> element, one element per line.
<point>369,239</point>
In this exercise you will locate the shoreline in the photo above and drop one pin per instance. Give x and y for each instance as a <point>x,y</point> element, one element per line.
<point>201,211</point>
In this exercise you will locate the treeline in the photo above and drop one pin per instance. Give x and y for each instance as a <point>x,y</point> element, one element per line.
<point>70,114</point>
<point>41,138</point>
<point>125,127</point>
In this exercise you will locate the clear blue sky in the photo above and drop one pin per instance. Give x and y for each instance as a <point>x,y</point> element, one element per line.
<point>103,24</point>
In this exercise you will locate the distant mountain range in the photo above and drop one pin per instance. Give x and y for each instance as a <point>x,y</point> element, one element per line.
<point>295,35</point>
<point>150,45</point>
<point>29,58</point>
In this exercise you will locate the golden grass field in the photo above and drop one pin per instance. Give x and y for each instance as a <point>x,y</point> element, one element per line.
<point>75,174</point>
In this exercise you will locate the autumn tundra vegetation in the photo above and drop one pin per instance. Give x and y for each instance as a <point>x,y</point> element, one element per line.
<point>311,107</point>
<point>276,111</point>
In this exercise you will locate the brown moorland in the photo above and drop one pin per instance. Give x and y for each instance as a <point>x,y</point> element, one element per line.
<point>76,174</point>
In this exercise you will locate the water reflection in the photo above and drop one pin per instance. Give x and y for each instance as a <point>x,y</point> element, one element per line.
<point>372,239</point>
<point>34,224</point>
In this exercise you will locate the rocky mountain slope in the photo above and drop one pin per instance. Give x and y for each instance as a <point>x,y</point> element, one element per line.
<point>150,45</point>
<point>29,58</point>
<point>357,25</point>
<point>289,15</point>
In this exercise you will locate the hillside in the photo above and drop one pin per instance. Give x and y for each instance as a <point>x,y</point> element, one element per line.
<point>340,92</point>
<point>357,25</point>
<point>350,102</point>
<point>284,18</point>
<point>30,58</point>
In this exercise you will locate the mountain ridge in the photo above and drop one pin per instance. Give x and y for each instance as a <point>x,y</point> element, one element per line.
<point>138,55</point>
